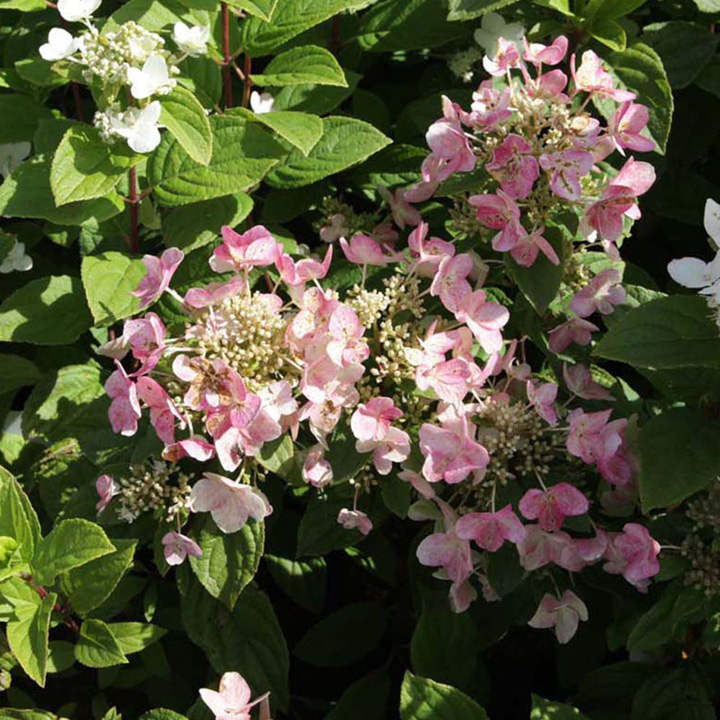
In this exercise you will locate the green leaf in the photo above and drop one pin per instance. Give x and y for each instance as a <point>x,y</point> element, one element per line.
<point>325,644</point>
<point>23,6</point>
<point>108,279</point>
<point>445,646</point>
<point>423,699</point>
<point>228,562</point>
<point>316,99</point>
<point>303,581</point>
<point>21,115</point>
<point>640,69</point>
<point>59,405</point>
<point>185,118</point>
<point>17,516</point>
<point>278,457</point>
<point>70,544</point>
<point>291,17</point>
<point>308,64</point>
<point>26,193</point>
<point>31,313</point>
<point>133,637</point>
<point>61,656</point>
<point>203,77</point>
<point>156,17</point>
<point>610,8</point>
<point>162,713</point>
<point>541,282</point>
<point>471,9</point>
<point>365,698</point>
<point>708,6</point>
<point>668,618</point>
<point>243,152</point>
<point>680,693</point>
<point>709,78</point>
<point>609,33</point>
<point>504,570</point>
<point>667,476</point>
<point>344,142</point>
<point>301,130</point>
<point>9,564</point>
<point>248,640</point>
<point>319,532</point>
<point>89,585</point>
<point>17,371</point>
<point>192,226</point>
<point>670,332</point>
<point>551,710</point>
<point>685,49</point>
<point>396,494</point>
<point>85,167</point>
<point>401,25</point>
<point>27,636</point>
<point>97,647</point>
<point>264,9</point>
<point>12,713</point>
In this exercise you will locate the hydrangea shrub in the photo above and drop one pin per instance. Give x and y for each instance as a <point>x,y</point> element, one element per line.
<point>357,357</point>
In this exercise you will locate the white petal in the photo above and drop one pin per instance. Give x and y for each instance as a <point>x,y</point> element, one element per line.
<point>712,220</point>
<point>144,138</point>
<point>689,272</point>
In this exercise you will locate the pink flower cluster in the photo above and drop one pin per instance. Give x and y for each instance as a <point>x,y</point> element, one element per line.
<point>270,353</point>
<point>540,150</point>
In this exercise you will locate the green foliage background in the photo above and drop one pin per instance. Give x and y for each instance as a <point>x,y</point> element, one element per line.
<point>336,626</point>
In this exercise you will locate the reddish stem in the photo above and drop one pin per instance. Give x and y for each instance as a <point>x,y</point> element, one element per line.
<point>335,36</point>
<point>69,621</point>
<point>227,59</point>
<point>133,241</point>
<point>247,69</point>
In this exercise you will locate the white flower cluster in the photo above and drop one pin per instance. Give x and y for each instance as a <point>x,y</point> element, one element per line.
<point>695,273</point>
<point>129,56</point>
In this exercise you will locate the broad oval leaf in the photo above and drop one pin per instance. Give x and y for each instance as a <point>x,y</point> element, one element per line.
<point>108,279</point>
<point>185,118</point>
<point>243,152</point>
<point>640,69</point>
<point>326,644</point>
<point>27,636</point>
<point>18,519</point>
<point>85,167</point>
<point>228,562</point>
<point>423,699</point>
<point>26,193</point>
<point>667,476</point>
<point>301,130</point>
<point>89,585</point>
<point>248,640</point>
<point>685,48</point>
<point>31,313</point>
<point>97,647</point>
<point>291,17</point>
<point>308,64</point>
<point>70,544</point>
<point>344,142</point>
<point>670,332</point>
